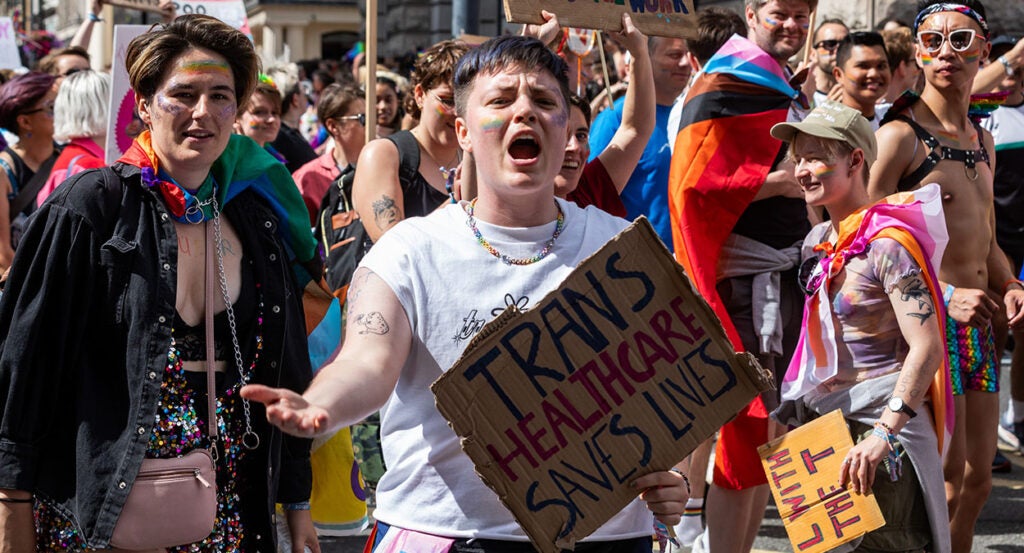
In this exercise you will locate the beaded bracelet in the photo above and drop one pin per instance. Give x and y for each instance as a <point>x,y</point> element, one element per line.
<point>685,479</point>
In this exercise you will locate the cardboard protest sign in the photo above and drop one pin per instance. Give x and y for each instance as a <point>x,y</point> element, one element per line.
<point>9,58</point>
<point>123,123</point>
<point>620,372</point>
<point>673,18</point>
<point>803,473</point>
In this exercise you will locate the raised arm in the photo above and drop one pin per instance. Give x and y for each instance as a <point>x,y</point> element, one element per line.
<point>360,379</point>
<point>638,109</point>
<point>84,33</point>
<point>376,191</point>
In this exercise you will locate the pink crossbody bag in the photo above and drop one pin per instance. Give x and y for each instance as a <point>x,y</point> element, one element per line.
<point>174,501</point>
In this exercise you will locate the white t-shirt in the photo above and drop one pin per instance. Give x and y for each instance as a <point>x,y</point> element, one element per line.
<point>450,286</point>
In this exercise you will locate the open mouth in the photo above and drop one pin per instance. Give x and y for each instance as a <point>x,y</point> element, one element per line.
<point>524,148</point>
<point>199,135</point>
<point>571,164</point>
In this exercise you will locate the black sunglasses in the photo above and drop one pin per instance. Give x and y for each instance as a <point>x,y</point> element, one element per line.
<point>829,45</point>
<point>810,275</point>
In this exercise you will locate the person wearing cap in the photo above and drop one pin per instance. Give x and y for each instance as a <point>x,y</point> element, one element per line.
<point>868,276</point>
<point>932,139</point>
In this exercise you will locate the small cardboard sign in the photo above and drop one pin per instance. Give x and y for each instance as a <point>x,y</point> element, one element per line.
<point>803,473</point>
<point>620,372</point>
<point>231,12</point>
<point>671,18</point>
<point>9,58</point>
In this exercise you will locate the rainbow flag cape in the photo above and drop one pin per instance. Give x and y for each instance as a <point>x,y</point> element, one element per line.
<point>723,153</point>
<point>915,220</point>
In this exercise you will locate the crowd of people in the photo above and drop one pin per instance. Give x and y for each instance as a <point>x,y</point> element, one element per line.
<point>853,219</point>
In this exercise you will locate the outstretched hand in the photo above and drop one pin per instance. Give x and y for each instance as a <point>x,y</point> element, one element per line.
<point>289,411</point>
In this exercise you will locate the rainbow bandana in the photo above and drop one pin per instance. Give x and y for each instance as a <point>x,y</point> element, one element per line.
<point>951,7</point>
<point>243,165</point>
<point>915,220</point>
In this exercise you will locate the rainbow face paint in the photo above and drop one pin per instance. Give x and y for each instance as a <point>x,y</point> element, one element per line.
<point>769,23</point>
<point>493,124</point>
<point>203,66</point>
<point>823,171</point>
<point>926,59</point>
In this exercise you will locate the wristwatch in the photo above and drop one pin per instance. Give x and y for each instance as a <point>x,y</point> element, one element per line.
<point>1007,68</point>
<point>897,405</point>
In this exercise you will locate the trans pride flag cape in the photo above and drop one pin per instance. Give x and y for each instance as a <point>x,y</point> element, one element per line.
<point>915,220</point>
<point>723,153</point>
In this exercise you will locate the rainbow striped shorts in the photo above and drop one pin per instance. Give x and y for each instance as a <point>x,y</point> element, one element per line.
<point>973,363</point>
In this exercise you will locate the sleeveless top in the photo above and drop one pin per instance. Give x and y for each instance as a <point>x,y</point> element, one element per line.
<point>419,197</point>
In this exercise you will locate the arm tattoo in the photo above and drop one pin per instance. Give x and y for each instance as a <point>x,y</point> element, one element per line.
<point>372,323</point>
<point>385,212</point>
<point>915,292</point>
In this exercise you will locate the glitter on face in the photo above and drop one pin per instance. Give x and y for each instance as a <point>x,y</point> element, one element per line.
<point>166,105</point>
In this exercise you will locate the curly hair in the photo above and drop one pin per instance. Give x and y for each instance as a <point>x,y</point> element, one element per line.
<point>434,68</point>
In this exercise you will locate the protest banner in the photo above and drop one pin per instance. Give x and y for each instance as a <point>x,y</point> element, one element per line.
<point>672,18</point>
<point>123,123</point>
<point>144,5</point>
<point>9,58</point>
<point>620,372</point>
<point>803,473</point>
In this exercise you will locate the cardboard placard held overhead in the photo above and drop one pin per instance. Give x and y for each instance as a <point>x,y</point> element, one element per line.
<point>671,18</point>
<point>803,473</point>
<point>144,5</point>
<point>620,372</point>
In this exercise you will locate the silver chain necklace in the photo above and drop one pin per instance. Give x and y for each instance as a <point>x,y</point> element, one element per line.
<point>250,439</point>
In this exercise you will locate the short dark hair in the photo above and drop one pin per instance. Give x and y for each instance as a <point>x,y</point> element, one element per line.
<point>899,46</point>
<point>151,54</point>
<point>583,105</point>
<point>503,52</point>
<point>335,100</point>
<point>714,28</point>
<point>830,21</point>
<point>858,38</point>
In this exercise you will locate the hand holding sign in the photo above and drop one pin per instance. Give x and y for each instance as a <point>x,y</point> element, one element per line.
<point>672,18</point>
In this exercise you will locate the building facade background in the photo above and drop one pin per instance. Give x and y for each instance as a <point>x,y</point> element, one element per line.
<point>295,30</point>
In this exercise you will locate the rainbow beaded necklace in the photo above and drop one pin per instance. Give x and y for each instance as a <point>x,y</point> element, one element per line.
<point>559,227</point>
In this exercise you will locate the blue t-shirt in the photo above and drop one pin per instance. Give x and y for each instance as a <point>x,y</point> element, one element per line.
<point>646,193</point>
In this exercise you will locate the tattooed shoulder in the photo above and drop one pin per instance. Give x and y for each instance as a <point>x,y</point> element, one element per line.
<point>915,294</point>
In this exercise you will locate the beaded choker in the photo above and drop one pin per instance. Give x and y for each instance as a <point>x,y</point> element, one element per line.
<point>559,227</point>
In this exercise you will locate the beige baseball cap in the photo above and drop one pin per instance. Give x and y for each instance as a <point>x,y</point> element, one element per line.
<point>837,122</point>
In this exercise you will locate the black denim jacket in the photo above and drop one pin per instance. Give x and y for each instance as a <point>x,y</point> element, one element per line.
<point>85,324</point>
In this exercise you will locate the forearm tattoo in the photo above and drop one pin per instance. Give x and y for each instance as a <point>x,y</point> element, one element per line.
<point>915,293</point>
<point>385,212</point>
